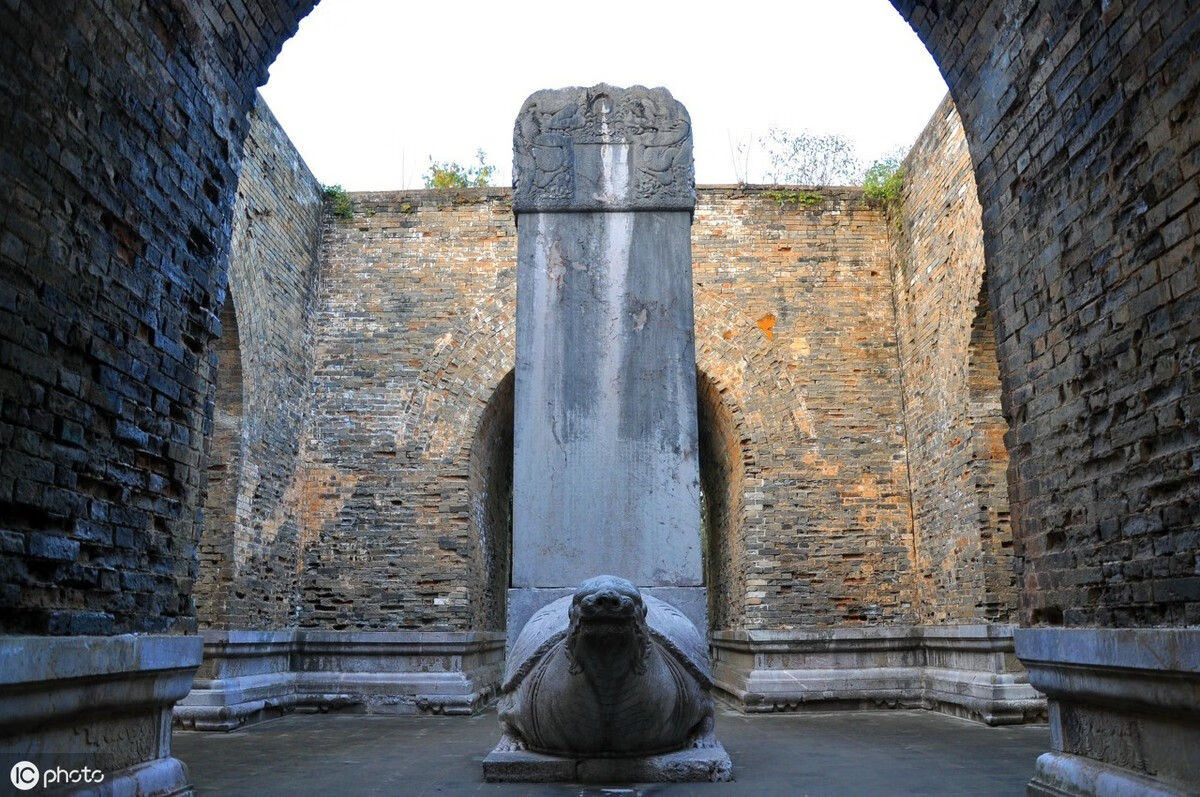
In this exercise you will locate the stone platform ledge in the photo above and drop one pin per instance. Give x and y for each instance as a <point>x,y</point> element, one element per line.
<point>249,676</point>
<point>709,764</point>
<point>968,671</point>
<point>100,702</point>
<point>1124,709</point>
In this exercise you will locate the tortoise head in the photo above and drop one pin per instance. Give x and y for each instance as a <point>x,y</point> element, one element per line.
<point>608,619</point>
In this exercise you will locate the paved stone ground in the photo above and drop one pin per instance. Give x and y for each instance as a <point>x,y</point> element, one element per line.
<point>874,753</point>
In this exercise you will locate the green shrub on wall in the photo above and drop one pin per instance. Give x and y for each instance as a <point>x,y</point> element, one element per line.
<point>883,183</point>
<point>339,201</point>
<point>451,174</point>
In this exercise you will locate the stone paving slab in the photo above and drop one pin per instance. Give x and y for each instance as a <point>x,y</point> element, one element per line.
<point>862,753</point>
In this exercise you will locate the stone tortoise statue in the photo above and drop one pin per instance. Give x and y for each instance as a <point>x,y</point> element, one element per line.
<point>607,672</point>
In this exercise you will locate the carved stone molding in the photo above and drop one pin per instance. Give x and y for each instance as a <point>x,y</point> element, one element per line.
<point>603,148</point>
<point>249,676</point>
<point>1124,709</point>
<point>97,702</point>
<point>968,671</point>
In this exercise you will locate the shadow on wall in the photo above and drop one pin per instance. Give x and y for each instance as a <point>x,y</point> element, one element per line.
<point>490,485</point>
<point>722,476</point>
<point>214,577</point>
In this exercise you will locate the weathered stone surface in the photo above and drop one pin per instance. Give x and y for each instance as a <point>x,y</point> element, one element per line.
<point>605,473</point>
<point>248,676</point>
<point>1124,709</point>
<point>603,148</point>
<point>969,671</point>
<point>100,702</point>
<point>607,672</point>
<point>709,764</point>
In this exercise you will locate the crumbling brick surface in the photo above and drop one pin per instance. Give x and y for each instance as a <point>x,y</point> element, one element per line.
<point>1083,127</point>
<point>121,126</point>
<point>951,380</point>
<point>250,539</point>
<point>797,353</point>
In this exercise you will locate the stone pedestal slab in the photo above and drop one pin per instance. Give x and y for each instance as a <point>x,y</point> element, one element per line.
<point>709,764</point>
<point>968,671</point>
<point>98,702</point>
<point>1124,709</point>
<point>248,676</point>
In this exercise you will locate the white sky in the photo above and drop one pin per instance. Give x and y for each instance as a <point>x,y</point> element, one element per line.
<point>369,90</point>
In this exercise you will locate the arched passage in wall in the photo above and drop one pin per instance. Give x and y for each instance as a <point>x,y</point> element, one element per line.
<point>225,454</point>
<point>722,481</point>
<point>989,465</point>
<point>489,486</point>
<point>1059,193</point>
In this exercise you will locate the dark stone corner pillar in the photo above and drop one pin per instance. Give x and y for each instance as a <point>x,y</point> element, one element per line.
<point>1124,709</point>
<point>103,703</point>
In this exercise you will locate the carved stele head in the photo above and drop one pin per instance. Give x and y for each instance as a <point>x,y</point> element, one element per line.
<point>603,148</point>
<point>607,614</point>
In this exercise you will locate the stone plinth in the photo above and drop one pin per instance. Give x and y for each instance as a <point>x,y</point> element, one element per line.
<point>97,702</point>
<point>710,764</point>
<point>1124,709</point>
<point>968,671</point>
<point>248,676</point>
<point>605,476</point>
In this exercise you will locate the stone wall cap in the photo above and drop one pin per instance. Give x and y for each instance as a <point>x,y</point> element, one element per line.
<point>25,659</point>
<point>246,636</point>
<point>818,634</point>
<point>400,637</point>
<point>1175,649</point>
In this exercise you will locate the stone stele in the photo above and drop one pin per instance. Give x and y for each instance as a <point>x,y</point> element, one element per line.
<point>605,430</point>
<point>608,685</point>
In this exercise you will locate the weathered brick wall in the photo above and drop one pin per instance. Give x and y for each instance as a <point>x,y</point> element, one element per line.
<point>249,542</point>
<point>951,385</point>
<point>414,335</point>
<point>1082,121</point>
<point>121,125</point>
<point>795,326</point>
<point>796,347</point>
<point>121,132</point>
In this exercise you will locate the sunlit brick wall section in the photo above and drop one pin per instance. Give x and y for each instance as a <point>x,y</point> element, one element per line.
<point>414,336</point>
<point>795,331</point>
<point>795,326</point>
<point>249,543</point>
<point>955,432</point>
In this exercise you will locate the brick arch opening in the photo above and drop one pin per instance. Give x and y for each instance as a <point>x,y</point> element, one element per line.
<point>226,444</point>
<point>125,150</point>
<point>489,487</point>
<point>722,522</point>
<point>989,465</point>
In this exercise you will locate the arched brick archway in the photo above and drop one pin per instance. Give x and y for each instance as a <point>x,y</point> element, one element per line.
<point>216,553</point>
<point>143,175</point>
<point>122,128</point>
